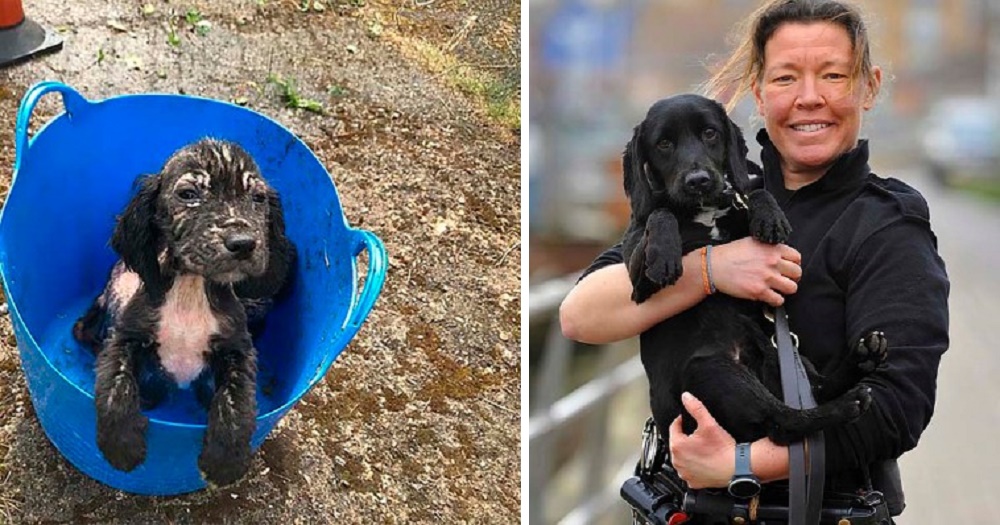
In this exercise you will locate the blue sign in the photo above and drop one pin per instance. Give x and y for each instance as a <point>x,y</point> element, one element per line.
<point>587,36</point>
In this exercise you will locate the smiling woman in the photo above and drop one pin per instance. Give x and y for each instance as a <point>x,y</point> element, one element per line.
<point>808,98</point>
<point>861,257</point>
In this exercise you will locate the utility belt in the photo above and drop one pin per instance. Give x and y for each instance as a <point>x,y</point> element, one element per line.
<point>711,506</point>
<point>658,496</point>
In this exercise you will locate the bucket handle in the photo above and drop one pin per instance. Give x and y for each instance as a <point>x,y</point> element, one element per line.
<point>362,304</point>
<point>72,100</point>
<point>377,263</point>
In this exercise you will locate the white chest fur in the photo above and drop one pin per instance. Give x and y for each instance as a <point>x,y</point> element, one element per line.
<point>186,326</point>
<point>708,217</point>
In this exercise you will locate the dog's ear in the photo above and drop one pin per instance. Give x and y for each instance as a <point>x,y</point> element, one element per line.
<point>634,166</point>
<point>281,260</point>
<point>736,155</point>
<point>281,257</point>
<point>137,238</point>
<point>632,162</point>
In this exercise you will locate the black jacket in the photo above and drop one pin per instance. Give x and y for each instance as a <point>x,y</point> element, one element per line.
<point>870,262</point>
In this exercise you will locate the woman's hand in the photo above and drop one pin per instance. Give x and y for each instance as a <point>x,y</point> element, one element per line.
<point>749,269</point>
<point>706,458</point>
<point>600,310</point>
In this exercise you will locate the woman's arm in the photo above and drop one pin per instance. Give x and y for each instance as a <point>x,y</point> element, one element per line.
<point>707,457</point>
<point>600,310</point>
<point>897,285</point>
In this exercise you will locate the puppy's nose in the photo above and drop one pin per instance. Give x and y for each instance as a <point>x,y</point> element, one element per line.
<point>698,181</point>
<point>240,244</point>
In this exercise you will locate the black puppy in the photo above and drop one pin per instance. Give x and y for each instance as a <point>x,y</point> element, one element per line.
<point>203,254</point>
<point>686,176</point>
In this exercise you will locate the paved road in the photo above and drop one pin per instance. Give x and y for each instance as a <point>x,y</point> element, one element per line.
<point>953,476</point>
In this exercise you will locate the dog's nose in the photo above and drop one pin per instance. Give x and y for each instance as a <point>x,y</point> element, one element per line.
<point>698,181</point>
<point>240,244</point>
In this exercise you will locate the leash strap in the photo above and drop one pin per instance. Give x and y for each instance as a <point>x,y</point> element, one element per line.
<point>805,491</point>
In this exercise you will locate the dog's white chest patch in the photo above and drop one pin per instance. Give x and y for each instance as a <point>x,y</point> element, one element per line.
<point>125,285</point>
<point>708,217</point>
<point>186,327</point>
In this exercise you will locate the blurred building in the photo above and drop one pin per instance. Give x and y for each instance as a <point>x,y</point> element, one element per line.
<point>596,65</point>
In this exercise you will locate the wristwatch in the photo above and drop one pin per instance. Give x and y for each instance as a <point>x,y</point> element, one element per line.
<point>744,484</point>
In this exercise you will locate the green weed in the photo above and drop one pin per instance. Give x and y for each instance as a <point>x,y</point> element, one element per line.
<point>290,95</point>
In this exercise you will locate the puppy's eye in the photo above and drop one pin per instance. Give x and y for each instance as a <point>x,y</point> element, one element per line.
<point>664,145</point>
<point>188,194</point>
<point>710,135</point>
<point>259,197</point>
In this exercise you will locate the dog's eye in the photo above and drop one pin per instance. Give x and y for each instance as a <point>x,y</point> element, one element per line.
<point>260,197</point>
<point>710,135</point>
<point>187,194</point>
<point>664,145</point>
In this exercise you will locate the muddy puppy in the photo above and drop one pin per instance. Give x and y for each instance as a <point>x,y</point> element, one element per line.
<point>686,176</point>
<point>203,254</point>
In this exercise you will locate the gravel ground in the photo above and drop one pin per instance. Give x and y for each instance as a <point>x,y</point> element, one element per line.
<point>418,420</point>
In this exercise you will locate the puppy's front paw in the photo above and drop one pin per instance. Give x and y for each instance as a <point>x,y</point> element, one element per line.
<point>871,351</point>
<point>123,442</point>
<point>854,403</point>
<point>643,291</point>
<point>767,222</point>
<point>663,264</point>
<point>223,463</point>
<point>770,226</point>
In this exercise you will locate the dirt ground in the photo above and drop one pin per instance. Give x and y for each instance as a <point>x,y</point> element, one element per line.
<point>418,420</point>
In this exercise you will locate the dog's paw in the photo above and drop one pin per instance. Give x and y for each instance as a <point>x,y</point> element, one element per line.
<point>123,443</point>
<point>871,351</point>
<point>663,265</point>
<point>770,227</point>
<point>223,460</point>
<point>641,292</point>
<point>222,463</point>
<point>854,403</point>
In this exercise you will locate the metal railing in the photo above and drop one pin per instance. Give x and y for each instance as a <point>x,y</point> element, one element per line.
<point>586,408</point>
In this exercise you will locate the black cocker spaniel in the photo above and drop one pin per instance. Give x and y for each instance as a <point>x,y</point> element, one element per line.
<point>686,176</point>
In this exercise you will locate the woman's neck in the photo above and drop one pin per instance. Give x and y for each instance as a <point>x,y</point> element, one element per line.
<point>797,178</point>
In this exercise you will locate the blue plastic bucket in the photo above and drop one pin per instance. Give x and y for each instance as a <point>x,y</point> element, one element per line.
<point>70,182</point>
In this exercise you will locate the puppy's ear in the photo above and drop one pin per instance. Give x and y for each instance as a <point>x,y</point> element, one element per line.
<point>634,166</point>
<point>632,163</point>
<point>736,155</point>
<point>281,260</point>
<point>137,238</point>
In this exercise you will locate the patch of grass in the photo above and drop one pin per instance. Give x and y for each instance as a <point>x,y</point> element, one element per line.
<point>202,27</point>
<point>195,19</point>
<point>173,39</point>
<point>193,16</point>
<point>290,96</point>
<point>503,103</point>
<point>987,188</point>
<point>501,100</point>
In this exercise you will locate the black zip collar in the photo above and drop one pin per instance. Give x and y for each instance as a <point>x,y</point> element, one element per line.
<point>847,173</point>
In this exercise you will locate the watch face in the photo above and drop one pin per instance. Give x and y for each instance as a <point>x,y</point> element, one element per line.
<point>744,487</point>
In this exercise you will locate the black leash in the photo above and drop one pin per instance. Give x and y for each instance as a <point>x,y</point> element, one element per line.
<point>805,491</point>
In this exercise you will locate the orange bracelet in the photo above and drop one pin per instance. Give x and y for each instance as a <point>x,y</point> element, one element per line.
<point>704,271</point>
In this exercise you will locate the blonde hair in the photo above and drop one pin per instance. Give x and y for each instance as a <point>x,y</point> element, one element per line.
<point>746,63</point>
